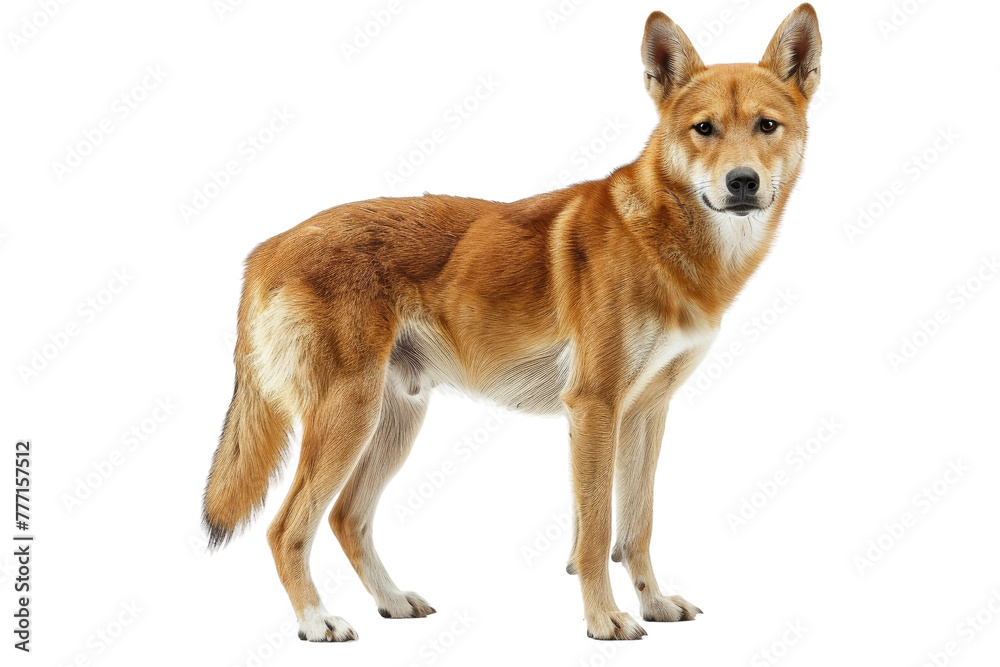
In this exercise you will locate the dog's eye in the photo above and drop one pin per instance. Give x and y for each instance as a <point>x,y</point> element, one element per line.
<point>703,128</point>
<point>768,126</point>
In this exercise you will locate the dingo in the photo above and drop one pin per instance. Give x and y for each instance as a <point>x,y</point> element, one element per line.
<point>595,301</point>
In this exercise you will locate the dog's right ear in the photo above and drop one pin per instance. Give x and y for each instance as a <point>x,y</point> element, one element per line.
<point>668,56</point>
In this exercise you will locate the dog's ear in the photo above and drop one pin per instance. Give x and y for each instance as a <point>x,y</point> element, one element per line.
<point>795,49</point>
<point>668,56</point>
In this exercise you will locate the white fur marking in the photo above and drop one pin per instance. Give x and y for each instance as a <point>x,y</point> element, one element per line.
<point>317,625</point>
<point>666,346</point>
<point>278,347</point>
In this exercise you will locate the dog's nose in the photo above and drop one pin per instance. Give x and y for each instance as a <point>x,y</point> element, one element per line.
<point>743,182</point>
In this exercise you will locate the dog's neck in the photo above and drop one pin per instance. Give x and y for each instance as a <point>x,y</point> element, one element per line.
<point>707,254</point>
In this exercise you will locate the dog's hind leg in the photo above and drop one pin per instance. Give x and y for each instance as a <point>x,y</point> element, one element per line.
<point>353,513</point>
<point>335,431</point>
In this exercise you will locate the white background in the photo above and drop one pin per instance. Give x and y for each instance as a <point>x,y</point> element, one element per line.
<point>477,546</point>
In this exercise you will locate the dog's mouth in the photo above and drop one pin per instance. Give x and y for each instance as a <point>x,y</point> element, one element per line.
<point>734,206</point>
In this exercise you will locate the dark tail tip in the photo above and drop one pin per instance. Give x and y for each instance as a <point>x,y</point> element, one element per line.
<point>218,535</point>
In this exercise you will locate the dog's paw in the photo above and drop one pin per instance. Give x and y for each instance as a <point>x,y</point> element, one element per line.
<point>404,605</point>
<point>613,625</point>
<point>319,626</point>
<point>667,608</point>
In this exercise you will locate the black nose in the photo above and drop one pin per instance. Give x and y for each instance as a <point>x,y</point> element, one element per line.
<point>743,182</point>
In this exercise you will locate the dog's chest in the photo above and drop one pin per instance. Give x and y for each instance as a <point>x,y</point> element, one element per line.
<point>654,349</point>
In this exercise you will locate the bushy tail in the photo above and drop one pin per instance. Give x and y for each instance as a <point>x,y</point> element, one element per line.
<point>251,450</point>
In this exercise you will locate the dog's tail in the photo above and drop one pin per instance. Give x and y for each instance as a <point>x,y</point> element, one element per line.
<point>251,450</point>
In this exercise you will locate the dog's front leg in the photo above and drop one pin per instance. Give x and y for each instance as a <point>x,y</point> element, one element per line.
<point>636,455</point>
<point>593,436</point>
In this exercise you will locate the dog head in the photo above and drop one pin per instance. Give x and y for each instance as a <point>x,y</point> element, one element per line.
<point>734,133</point>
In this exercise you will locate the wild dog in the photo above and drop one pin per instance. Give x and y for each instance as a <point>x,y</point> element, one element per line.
<point>595,301</point>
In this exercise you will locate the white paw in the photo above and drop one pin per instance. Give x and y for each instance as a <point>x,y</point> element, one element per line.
<point>613,625</point>
<point>317,625</point>
<point>404,605</point>
<point>667,608</point>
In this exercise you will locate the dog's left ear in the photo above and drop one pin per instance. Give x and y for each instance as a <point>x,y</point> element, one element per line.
<point>668,56</point>
<point>795,49</point>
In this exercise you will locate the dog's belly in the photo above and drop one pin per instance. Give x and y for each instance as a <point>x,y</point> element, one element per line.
<point>530,381</point>
<point>534,383</point>
<point>533,379</point>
